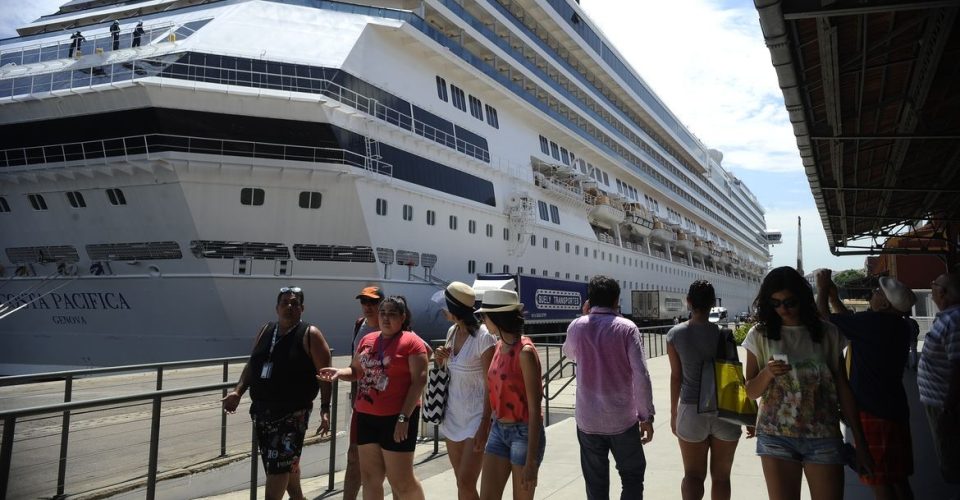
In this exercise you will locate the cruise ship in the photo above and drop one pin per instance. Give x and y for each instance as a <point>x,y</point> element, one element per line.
<point>162,177</point>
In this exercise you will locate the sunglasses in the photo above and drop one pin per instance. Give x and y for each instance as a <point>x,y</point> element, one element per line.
<point>788,303</point>
<point>291,289</point>
<point>369,302</point>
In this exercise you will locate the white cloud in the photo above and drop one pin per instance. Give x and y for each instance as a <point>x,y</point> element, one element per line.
<point>17,13</point>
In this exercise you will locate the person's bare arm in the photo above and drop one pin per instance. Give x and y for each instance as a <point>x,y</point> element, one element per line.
<point>418,380</point>
<point>232,400</point>
<point>319,352</point>
<point>483,431</point>
<point>676,378</point>
<point>532,377</point>
<point>758,380</point>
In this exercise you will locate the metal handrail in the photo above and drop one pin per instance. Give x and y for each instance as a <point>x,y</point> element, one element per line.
<point>10,417</point>
<point>149,35</point>
<point>103,149</point>
<point>86,372</point>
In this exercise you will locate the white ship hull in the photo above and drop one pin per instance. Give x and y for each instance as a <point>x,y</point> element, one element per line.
<point>214,169</point>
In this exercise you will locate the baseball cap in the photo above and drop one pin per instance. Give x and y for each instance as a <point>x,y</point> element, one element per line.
<point>371,292</point>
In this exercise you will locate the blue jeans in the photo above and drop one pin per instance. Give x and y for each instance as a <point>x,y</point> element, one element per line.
<point>627,453</point>
<point>510,441</point>
<point>824,451</point>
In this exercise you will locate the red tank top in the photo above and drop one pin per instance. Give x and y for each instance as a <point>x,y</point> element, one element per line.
<point>508,396</point>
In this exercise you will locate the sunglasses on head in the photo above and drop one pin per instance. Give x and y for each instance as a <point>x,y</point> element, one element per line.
<point>291,289</point>
<point>788,303</point>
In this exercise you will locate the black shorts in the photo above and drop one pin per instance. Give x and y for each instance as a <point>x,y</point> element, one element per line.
<point>280,438</point>
<point>374,429</point>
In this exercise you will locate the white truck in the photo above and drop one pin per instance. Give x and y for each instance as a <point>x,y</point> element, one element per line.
<point>657,307</point>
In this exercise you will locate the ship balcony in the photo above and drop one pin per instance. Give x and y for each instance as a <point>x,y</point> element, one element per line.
<point>700,247</point>
<point>637,220</point>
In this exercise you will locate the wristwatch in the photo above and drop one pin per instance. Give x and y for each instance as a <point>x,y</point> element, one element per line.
<point>401,418</point>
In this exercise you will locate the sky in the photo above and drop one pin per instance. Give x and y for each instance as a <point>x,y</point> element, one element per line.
<point>707,61</point>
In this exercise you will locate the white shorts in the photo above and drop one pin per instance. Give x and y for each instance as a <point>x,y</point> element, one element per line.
<point>696,427</point>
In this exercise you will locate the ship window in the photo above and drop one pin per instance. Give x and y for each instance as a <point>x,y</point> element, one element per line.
<point>472,226</point>
<point>567,245</point>
<point>459,101</point>
<point>564,156</point>
<point>544,145</point>
<point>334,253</point>
<point>408,212</point>
<point>476,108</point>
<point>506,234</point>
<point>506,268</point>
<point>606,179</point>
<point>554,150</point>
<point>4,206</point>
<point>147,250</point>
<point>310,199</point>
<point>471,266</point>
<point>442,89</point>
<point>545,242</point>
<point>489,267</point>
<point>431,217</point>
<point>26,255</point>
<point>533,240</point>
<point>554,214</point>
<point>381,206</point>
<point>556,245</point>
<point>492,116</point>
<point>543,210</point>
<point>533,271</point>
<point>577,250</point>
<point>76,199</point>
<point>489,230</point>
<point>577,277</point>
<point>37,201</point>
<point>519,269</point>
<point>248,196</point>
<point>242,267</point>
<point>453,222</point>
<point>282,268</point>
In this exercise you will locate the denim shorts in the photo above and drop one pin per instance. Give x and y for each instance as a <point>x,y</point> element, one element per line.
<point>824,451</point>
<point>510,441</point>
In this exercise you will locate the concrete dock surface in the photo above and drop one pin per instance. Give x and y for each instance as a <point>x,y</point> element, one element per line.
<point>561,478</point>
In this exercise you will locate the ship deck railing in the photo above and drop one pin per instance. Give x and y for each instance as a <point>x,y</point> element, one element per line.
<point>59,48</point>
<point>122,148</point>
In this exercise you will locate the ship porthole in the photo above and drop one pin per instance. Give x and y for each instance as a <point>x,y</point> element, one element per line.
<point>154,271</point>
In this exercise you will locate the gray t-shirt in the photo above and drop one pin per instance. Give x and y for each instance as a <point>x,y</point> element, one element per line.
<point>694,344</point>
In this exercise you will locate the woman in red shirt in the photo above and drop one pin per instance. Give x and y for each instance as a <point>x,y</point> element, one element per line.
<point>516,438</point>
<point>390,367</point>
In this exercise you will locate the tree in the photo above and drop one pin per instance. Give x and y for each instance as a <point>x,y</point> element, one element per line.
<point>848,277</point>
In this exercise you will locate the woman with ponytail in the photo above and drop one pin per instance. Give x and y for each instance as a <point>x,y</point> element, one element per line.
<point>467,354</point>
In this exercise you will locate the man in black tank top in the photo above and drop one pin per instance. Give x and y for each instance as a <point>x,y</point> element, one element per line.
<point>281,375</point>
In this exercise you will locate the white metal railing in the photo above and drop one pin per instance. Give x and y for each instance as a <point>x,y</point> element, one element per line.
<point>50,50</point>
<point>123,147</point>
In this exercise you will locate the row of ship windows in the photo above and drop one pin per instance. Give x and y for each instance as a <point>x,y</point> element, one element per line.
<point>630,285</point>
<point>476,107</point>
<point>75,198</point>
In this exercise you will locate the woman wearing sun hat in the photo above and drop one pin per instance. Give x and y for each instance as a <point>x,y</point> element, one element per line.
<point>467,354</point>
<point>517,440</point>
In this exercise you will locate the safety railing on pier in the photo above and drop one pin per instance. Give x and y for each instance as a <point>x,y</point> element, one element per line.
<point>192,414</point>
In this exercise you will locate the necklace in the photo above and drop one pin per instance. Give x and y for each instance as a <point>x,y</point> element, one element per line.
<point>383,345</point>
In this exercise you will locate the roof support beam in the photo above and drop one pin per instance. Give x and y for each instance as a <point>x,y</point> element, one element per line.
<point>873,8</point>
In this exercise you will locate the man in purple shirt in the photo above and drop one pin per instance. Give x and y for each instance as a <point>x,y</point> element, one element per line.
<point>612,416</point>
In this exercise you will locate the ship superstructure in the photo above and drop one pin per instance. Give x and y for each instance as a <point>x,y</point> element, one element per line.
<point>154,198</point>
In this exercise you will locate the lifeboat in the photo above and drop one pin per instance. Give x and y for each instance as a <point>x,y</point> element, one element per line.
<point>637,220</point>
<point>660,232</point>
<point>700,247</point>
<point>603,213</point>
<point>683,240</point>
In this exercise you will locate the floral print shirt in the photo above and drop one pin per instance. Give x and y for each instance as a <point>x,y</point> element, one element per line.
<point>802,403</point>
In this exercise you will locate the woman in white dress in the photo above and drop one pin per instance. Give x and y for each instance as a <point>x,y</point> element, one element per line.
<point>466,420</point>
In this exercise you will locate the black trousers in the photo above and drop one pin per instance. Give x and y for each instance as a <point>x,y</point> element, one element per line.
<point>116,41</point>
<point>628,455</point>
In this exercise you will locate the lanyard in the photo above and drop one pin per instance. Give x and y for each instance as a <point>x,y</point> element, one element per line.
<point>381,348</point>
<point>273,343</point>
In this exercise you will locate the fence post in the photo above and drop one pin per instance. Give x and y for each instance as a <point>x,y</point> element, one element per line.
<point>253,463</point>
<point>546,387</point>
<point>333,434</point>
<point>6,454</point>
<point>223,414</point>
<point>154,449</point>
<point>64,437</point>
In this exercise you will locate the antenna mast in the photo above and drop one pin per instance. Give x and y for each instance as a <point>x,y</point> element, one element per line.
<point>799,249</point>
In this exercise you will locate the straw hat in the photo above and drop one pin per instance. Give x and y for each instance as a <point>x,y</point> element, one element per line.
<point>499,300</point>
